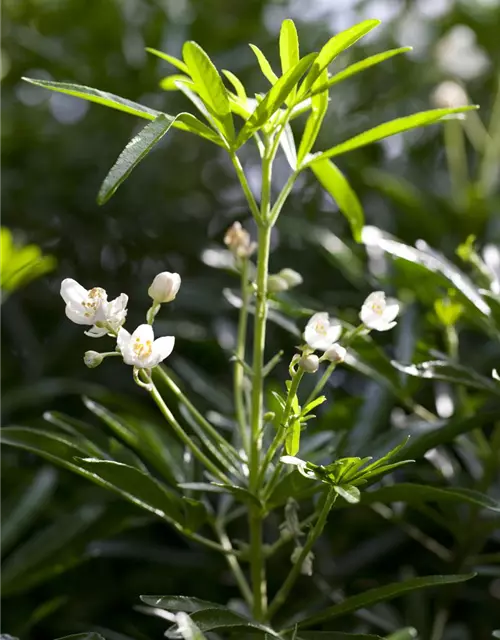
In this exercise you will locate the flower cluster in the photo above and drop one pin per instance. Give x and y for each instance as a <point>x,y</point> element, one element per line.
<point>322,333</point>
<point>139,349</point>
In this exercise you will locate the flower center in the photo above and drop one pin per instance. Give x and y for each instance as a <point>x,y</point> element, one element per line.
<point>321,328</point>
<point>142,349</point>
<point>93,301</point>
<point>378,308</point>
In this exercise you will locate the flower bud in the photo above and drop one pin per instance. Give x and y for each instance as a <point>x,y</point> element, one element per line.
<point>449,95</point>
<point>237,240</point>
<point>291,277</point>
<point>309,363</point>
<point>164,287</point>
<point>307,564</point>
<point>276,284</point>
<point>92,359</point>
<point>336,353</point>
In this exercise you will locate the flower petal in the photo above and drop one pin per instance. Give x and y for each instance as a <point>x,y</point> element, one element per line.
<point>162,348</point>
<point>76,314</point>
<point>123,339</point>
<point>391,309</point>
<point>73,292</point>
<point>96,332</point>
<point>334,331</point>
<point>144,332</point>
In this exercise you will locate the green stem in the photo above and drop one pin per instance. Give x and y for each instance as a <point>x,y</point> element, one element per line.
<point>239,373</point>
<point>457,161</point>
<point>245,186</point>
<point>233,563</point>
<point>314,534</point>
<point>321,382</point>
<point>281,199</point>
<point>491,152</point>
<point>281,433</point>
<point>183,436</point>
<point>223,451</point>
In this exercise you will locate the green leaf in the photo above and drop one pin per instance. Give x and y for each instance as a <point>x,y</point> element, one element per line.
<point>169,83</point>
<point>173,61</point>
<point>333,48</point>
<point>289,49</point>
<point>391,128</point>
<point>418,493</point>
<point>408,633</point>
<point>319,107</point>
<point>275,97</point>
<point>100,97</point>
<point>180,603</point>
<point>237,84</point>
<point>336,635</point>
<point>134,152</point>
<point>449,372</point>
<point>212,619</point>
<point>332,179</point>
<point>138,487</point>
<point>210,86</point>
<point>429,259</point>
<point>21,263</point>
<point>357,67</point>
<point>27,507</point>
<point>187,628</point>
<point>189,122</point>
<point>240,493</point>
<point>264,65</point>
<point>287,143</point>
<point>350,493</point>
<point>90,635</point>
<point>292,442</point>
<point>380,594</point>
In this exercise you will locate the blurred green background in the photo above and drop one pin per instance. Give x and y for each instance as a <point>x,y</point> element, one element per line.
<point>77,558</point>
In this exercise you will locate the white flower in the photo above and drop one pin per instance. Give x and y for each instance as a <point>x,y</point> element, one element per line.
<point>291,277</point>
<point>141,349</point>
<point>92,307</point>
<point>164,287</point>
<point>321,332</point>
<point>449,95</point>
<point>378,312</point>
<point>336,353</point>
<point>300,464</point>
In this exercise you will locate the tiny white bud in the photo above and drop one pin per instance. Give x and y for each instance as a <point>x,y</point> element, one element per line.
<point>309,363</point>
<point>164,287</point>
<point>92,359</point>
<point>291,277</point>
<point>449,95</point>
<point>336,353</point>
<point>276,284</point>
<point>307,564</point>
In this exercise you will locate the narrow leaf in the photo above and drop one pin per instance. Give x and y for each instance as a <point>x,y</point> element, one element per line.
<point>319,107</point>
<point>173,61</point>
<point>134,152</point>
<point>333,48</point>
<point>332,179</point>
<point>449,372</point>
<point>210,86</point>
<point>336,635</point>
<point>289,49</point>
<point>274,98</point>
<point>287,143</point>
<point>292,442</point>
<point>349,493</point>
<point>90,635</point>
<point>419,493</point>
<point>380,594</point>
<point>137,487</point>
<point>170,83</point>
<point>100,97</point>
<point>264,65</point>
<point>212,619</point>
<point>391,128</point>
<point>180,603</point>
<point>237,84</point>
<point>357,67</point>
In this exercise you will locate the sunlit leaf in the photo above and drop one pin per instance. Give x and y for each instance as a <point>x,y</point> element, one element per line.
<point>264,65</point>
<point>319,106</point>
<point>213,619</point>
<point>100,97</point>
<point>170,83</point>
<point>332,179</point>
<point>237,84</point>
<point>349,493</point>
<point>391,128</point>
<point>180,603</point>
<point>356,68</point>
<point>209,85</point>
<point>289,49</point>
<point>333,48</point>
<point>134,152</point>
<point>449,372</point>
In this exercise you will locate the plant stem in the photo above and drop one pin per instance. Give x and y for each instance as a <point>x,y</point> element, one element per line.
<point>257,560</point>
<point>239,373</point>
<point>457,162</point>
<point>183,436</point>
<point>281,433</point>
<point>321,383</point>
<point>491,154</point>
<point>314,534</point>
<point>224,452</point>
<point>233,563</point>
<point>245,186</point>
<point>280,200</point>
